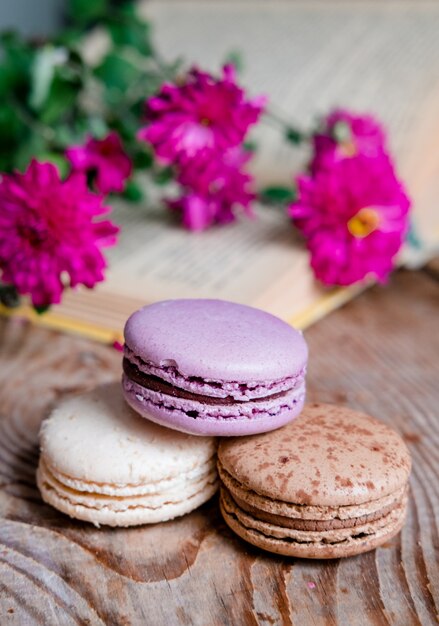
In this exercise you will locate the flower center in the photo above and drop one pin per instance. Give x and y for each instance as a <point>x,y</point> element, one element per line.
<point>205,121</point>
<point>34,235</point>
<point>364,222</point>
<point>347,149</point>
<point>106,150</point>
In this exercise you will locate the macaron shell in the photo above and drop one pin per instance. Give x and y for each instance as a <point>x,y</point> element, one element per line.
<point>329,456</point>
<point>125,513</point>
<point>217,340</point>
<point>97,435</point>
<point>250,390</point>
<point>151,490</point>
<point>205,426</point>
<point>323,513</point>
<point>329,547</point>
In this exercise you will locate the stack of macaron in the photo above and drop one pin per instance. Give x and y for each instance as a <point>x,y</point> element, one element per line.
<point>102,463</point>
<point>333,483</point>
<point>330,483</point>
<point>209,367</point>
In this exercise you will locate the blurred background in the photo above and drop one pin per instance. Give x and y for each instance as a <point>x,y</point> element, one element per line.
<point>380,57</point>
<point>77,74</point>
<point>308,57</point>
<point>38,18</point>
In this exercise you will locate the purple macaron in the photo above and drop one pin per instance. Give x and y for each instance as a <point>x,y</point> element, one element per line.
<point>210,367</point>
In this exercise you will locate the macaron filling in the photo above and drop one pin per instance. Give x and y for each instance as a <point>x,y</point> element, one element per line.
<point>360,531</point>
<point>237,391</point>
<point>307,516</point>
<point>93,496</point>
<point>154,392</point>
<point>157,384</point>
<point>150,400</point>
<point>90,504</point>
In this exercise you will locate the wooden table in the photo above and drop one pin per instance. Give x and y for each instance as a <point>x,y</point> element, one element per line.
<point>379,353</point>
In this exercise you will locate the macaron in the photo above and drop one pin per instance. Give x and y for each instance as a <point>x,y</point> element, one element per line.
<point>331,484</point>
<point>211,367</point>
<point>100,462</point>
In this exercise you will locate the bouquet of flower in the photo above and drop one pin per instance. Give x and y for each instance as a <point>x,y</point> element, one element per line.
<point>77,129</point>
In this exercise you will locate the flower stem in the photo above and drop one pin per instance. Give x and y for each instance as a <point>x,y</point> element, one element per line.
<point>45,131</point>
<point>9,296</point>
<point>291,132</point>
<point>165,69</point>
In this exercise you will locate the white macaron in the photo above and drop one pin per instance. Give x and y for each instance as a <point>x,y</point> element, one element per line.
<point>102,463</point>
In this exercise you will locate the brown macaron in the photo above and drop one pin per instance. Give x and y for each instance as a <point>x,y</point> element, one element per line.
<point>330,484</point>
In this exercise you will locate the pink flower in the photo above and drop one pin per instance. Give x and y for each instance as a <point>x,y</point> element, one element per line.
<point>354,216</point>
<point>107,158</point>
<point>199,126</point>
<point>202,114</point>
<point>344,135</point>
<point>208,175</point>
<point>197,212</point>
<point>214,189</point>
<point>49,238</point>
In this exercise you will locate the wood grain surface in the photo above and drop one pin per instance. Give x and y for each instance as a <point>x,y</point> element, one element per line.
<point>380,353</point>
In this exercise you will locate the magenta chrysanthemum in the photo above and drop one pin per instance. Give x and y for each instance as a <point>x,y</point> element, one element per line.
<point>354,216</point>
<point>201,114</point>
<point>49,238</point>
<point>198,126</point>
<point>214,189</point>
<point>344,135</point>
<point>197,211</point>
<point>107,158</point>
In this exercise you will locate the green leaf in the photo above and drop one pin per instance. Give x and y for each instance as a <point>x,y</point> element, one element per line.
<point>235,58</point>
<point>133,191</point>
<point>61,99</point>
<point>97,127</point>
<point>117,72</point>
<point>42,74</point>
<point>164,176</point>
<point>12,128</point>
<point>16,60</point>
<point>60,162</point>
<point>250,146</point>
<point>29,149</point>
<point>42,309</point>
<point>277,195</point>
<point>83,12</point>
<point>14,137</point>
<point>133,32</point>
<point>294,136</point>
<point>67,135</point>
<point>9,296</point>
<point>143,159</point>
<point>128,9</point>
<point>6,162</point>
<point>70,36</point>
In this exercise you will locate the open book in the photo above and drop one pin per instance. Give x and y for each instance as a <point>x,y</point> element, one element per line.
<point>308,57</point>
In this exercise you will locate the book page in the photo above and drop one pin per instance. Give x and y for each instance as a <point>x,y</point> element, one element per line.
<point>310,56</point>
<point>257,261</point>
<point>156,257</point>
